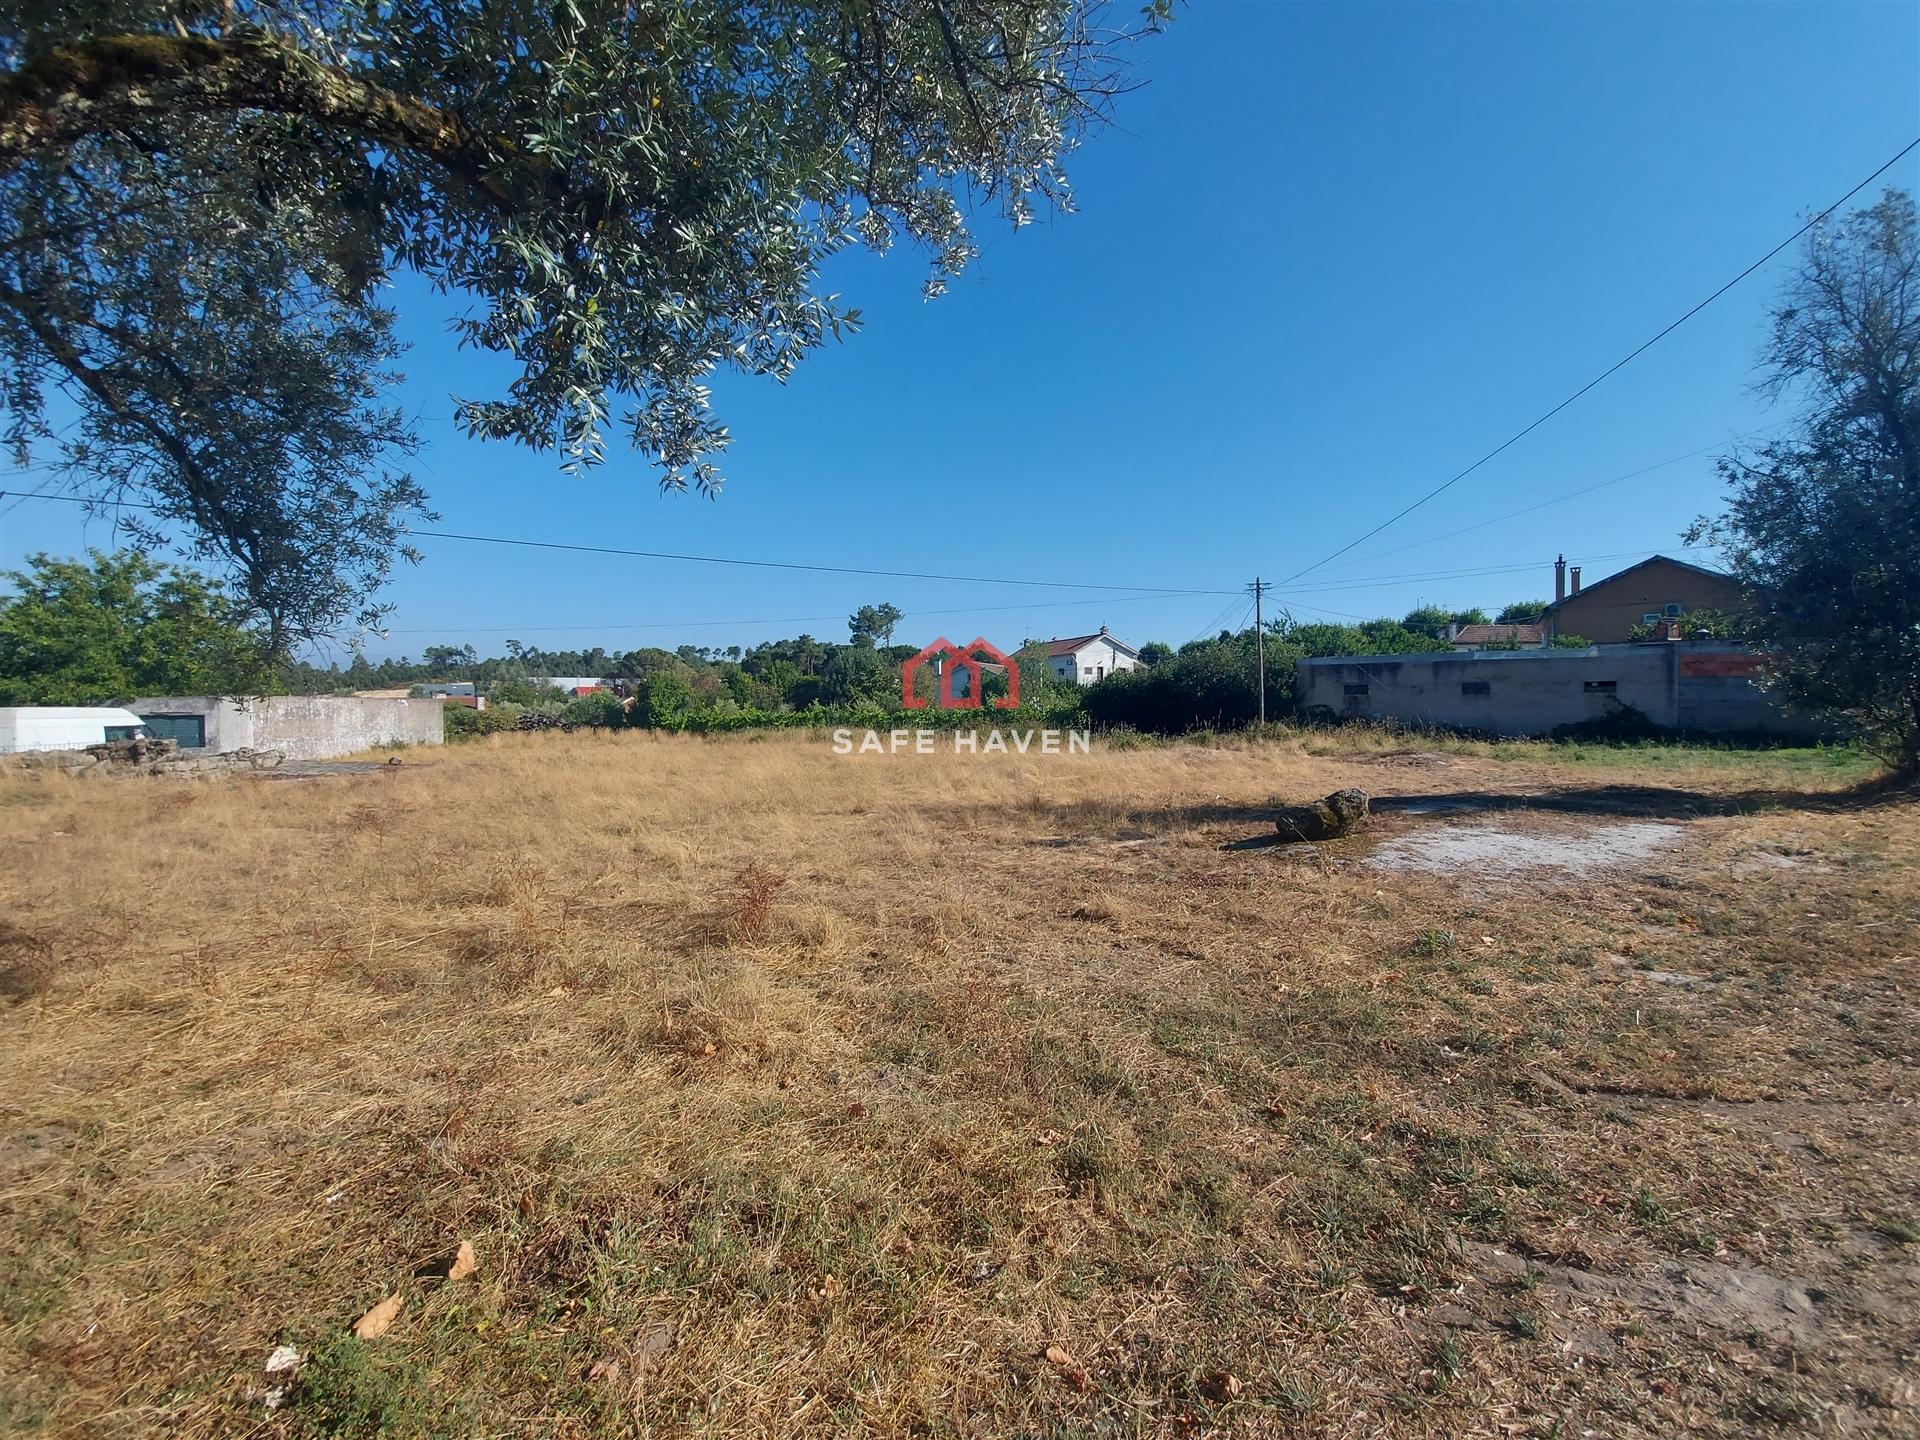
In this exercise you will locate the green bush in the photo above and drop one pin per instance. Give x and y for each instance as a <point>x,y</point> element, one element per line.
<point>594,710</point>
<point>463,722</point>
<point>1210,686</point>
<point>664,702</point>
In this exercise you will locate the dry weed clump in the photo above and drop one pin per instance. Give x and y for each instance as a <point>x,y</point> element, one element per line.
<point>775,1093</point>
<point>754,888</point>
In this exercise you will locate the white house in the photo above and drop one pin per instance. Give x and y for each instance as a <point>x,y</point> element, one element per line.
<point>1088,659</point>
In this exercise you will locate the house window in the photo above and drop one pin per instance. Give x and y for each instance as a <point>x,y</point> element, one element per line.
<point>1087,670</point>
<point>1354,689</point>
<point>122,732</point>
<point>1674,607</point>
<point>1476,687</point>
<point>1601,687</point>
<point>189,730</point>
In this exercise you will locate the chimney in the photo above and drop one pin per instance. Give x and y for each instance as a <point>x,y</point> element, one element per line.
<point>1576,580</point>
<point>1559,579</point>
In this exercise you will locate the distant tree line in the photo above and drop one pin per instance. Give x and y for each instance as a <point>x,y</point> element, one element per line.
<point>115,626</point>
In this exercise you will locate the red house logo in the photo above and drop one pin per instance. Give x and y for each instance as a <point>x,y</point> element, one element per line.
<point>963,671</point>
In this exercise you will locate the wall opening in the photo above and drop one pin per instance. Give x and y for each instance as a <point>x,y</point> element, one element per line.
<point>189,730</point>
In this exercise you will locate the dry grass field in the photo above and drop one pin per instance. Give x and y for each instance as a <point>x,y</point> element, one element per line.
<point>784,1094</point>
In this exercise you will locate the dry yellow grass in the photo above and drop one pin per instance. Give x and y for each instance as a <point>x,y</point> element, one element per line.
<point>785,1094</point>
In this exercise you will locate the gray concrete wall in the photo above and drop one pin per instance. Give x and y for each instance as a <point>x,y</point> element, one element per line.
<point>304,727</point>
<point>1697,686</point>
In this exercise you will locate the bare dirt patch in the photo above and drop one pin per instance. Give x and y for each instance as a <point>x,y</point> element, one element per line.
<point>1505,850</point>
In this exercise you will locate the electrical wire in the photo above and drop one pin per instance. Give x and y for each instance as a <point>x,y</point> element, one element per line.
<point>961,609</point>
<point>1365,582</point>
<point>1562,499</point>
<point>795,565</point>
<point>1617,365</point>
<point>1136,593</point>
<point>726,559</point>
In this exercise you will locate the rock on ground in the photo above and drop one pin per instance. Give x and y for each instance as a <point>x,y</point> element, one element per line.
<point>1326,819</point>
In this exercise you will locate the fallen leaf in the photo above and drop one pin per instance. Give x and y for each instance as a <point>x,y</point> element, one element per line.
<point>858,1110</point>
<point>464,1262</point>
<point>1049,1137</point>
<point>708,1048</point>
<point>829,1287</point>
<point>606,1368</point>
<point>373,1324</point>
<point>1059,1355</point>
<point>1220,1386</point>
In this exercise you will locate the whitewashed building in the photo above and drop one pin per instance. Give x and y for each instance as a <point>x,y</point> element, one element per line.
<point>1089,659</point>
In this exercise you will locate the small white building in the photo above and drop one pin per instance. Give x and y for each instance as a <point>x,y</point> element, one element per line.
<point>64,727</point>
<point>1089,659</point>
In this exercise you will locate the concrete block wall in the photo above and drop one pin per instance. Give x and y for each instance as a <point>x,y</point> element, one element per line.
<point>304,727</point>
<point>1696,686</point>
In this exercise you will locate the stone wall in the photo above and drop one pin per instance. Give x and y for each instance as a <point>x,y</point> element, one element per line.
<point>138,757</point>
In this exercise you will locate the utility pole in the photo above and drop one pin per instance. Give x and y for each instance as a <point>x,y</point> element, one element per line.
<point>1260,647</point>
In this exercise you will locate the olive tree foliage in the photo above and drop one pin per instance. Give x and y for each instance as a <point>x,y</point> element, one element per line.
<point>1823,526</point>
<point>202,203</point>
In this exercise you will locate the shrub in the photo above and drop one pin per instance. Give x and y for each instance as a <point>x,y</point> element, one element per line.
<point>463,722</point>
<point>663,702</point>
<point>593,710</point>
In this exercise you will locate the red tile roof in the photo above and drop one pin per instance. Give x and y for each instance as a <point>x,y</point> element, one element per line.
<point>1056,649</point>
<point>1500,635</point>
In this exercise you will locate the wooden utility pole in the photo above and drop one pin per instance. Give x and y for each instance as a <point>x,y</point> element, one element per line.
<point>1260,647</point>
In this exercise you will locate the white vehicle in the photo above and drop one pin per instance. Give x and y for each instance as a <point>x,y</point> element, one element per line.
<point>64,727</point>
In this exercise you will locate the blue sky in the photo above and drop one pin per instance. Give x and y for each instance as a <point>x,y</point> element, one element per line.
<point>1330,256</point>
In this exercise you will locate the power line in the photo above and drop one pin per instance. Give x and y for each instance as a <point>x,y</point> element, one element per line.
<point>722,559</point>
<point>960,609</point>
<point>1619,364</point>
<point>1237,607</point>
<point>1293,605</point>
<point>795,565</point>
<point>1237,603</point>
<point>1570,495</point>
<point>1364,582</point>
